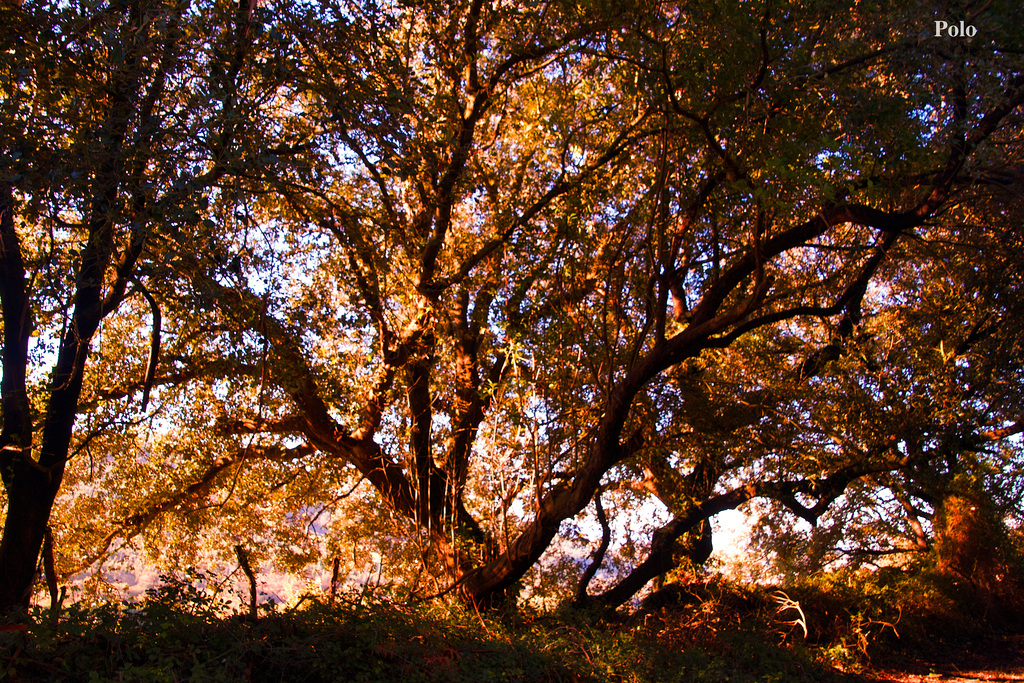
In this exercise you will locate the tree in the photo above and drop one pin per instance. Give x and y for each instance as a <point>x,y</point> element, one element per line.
<point>119,121</point>
<point>523,254</point>
<point>950,369</point>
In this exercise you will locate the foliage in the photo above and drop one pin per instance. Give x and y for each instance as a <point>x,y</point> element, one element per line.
<point>162,638</point>
<point>423,281</point>
<point>854,620</point>
<point>709,631</point>
<point>712,630</point>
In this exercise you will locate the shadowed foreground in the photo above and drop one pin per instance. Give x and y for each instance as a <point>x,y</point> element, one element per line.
<point>713,630</point>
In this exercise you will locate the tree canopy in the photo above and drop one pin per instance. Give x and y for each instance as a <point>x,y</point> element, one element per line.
<point>436,278</point>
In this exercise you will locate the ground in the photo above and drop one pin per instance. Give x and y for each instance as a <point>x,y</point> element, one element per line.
<point>998,659</point>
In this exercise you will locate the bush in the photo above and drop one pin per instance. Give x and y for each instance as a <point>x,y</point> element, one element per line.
<point>180,633</point>
<point>710,631</point>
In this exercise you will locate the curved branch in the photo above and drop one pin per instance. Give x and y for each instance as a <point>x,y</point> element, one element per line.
<point>154,344</point>
<point>597,558</point>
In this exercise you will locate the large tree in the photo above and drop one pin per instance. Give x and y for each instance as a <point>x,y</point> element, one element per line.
<point>118,122</point>
<point>522,255</point>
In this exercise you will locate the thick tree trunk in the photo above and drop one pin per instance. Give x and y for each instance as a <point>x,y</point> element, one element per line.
<point>970,543</point>
<point>32,485</point>
<point>30,497</point>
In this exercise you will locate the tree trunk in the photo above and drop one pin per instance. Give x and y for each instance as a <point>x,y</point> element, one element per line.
<point>969,542</point>
<point>30,496</point>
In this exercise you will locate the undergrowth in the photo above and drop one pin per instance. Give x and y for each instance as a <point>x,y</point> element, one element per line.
<point>708,631</point>
<point>847,620</point>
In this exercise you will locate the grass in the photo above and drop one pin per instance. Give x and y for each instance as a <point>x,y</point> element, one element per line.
<point>706,632</point>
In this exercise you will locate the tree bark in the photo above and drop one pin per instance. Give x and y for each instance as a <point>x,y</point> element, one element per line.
<point>581,596</point>
<point>243,563</point>
<point>29,500</point>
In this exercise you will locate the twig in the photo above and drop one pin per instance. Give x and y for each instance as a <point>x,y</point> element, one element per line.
<point>787,603</point>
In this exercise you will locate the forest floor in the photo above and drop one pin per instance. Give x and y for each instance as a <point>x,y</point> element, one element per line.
<point>902,628</point>
<point>999,658</point>
<point>385,644</point>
